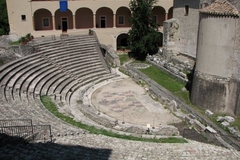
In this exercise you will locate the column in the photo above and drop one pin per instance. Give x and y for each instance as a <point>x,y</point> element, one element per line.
<point>33,23</point>
<point>53,22</point>
<point>114,20</point>
<point>94,20</point>
<point>74,22</point>
<point>166,16</point>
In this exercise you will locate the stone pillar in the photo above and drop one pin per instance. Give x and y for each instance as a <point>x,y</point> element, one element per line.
<point>170,37</point>
<point>74,22</point>
<point>53,22</point>
<point>94,20</point>
<point>166,16</point>
<point>114,20</point>
<point>33,23</point>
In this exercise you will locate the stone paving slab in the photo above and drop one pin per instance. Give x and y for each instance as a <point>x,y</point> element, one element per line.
<point>89,146</point>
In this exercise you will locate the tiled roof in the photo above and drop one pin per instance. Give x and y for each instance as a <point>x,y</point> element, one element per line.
<point>221,7</point>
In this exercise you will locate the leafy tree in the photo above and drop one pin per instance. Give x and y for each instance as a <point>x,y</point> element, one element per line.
<point>4,25</point>
<point>143,36</point>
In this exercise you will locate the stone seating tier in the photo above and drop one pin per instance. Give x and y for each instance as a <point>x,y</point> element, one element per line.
<point>63,49</point>
<point>67,94</point>
<point>71,58</point>
<point>77,42</point>
<point>59,68</point>
<point>18,76</point>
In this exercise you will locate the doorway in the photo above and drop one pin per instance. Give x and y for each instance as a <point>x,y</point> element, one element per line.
<point>103,21</point>
<point>64,24</point>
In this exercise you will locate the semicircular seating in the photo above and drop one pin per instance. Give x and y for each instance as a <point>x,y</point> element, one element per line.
<point>58,69</point>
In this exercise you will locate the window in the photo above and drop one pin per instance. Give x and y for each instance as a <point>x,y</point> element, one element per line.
<point>154,18</point>
<point>121,20</point>
<point>45,22</point>
<point>186,10</point>
<point>23,17</point>
<point>203,5</point>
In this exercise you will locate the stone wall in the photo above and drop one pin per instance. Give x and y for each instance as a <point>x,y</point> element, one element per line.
<point>236,63</point>
<point>170,37</point>
<point>217,78</point>
<point>188,28</point>
<point>208,94</point>
<point>111,55</point>
<point>219,95</point>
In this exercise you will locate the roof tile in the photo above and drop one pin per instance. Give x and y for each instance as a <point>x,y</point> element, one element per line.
<point>221,7</point>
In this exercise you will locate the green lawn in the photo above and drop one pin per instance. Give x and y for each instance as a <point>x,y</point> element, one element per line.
<point>167,81</point>
<point>53,109</point>
<point>15,43</point>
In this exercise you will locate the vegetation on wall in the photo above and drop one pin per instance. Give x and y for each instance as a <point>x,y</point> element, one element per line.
<point>143,36</point>
<point>4,25</point>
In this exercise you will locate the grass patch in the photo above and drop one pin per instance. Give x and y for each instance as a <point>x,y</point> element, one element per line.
<point>237,122</point>
<point>47,102</point>
<point>170,83</point>
<point>138,61</point>
<point>123,58</point>
<point>164,79</point>
<point>15,43</point>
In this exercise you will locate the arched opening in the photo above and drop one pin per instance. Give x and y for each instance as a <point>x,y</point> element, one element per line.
<point>170,13</point>
<point>123,16</point>
<point>42,20</point>
<point>122,41</point>
<point>63,20</point>
<point>104,18</point>
<point>159,15</point>
<point>84,18</point>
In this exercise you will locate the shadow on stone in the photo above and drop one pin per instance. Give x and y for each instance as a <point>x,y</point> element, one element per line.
<point>189,83</point>
<point>23,150</point>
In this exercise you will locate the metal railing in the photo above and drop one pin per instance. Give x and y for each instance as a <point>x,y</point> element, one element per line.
<point>15,122</point>
<point>22,130</point>
<point>42,133</point>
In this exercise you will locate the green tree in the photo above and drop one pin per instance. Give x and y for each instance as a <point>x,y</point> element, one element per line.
<point>143,36</point>
<point>4,25</point>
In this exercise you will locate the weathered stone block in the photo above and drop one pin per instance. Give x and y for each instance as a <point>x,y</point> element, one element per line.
<point>170,37</point>
<point>229,119</point>
<point>208,113</point>
<point>225,124</point>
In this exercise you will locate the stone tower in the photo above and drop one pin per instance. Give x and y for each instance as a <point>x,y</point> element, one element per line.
<point>216,83</point>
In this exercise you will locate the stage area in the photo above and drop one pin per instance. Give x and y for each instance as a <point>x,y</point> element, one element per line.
<point>127,101</point>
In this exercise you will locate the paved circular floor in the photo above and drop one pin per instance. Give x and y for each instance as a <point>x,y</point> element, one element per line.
<point>127,101</point>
